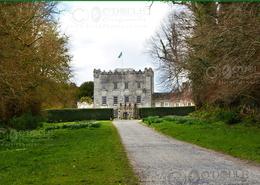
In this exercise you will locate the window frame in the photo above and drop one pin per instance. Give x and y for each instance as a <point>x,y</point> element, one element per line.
<point>115,85</point>
<point>115,98</point>
<point>138,98</point>
<point>139,86</point>
<point>166,104</point>
<point>126,98</point>
<point>126,85</point>
<point>103,99</point>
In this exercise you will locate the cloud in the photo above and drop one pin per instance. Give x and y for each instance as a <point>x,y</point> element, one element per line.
<point>99,31</point>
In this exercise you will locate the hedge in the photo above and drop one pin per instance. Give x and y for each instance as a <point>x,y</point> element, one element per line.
<point>62,115</point>
<point>165,111</point>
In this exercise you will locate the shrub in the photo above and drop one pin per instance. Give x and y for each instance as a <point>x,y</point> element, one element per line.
<point>169,118</point>
<point>176,119</point>
<point>2,124</point>
<point>183,120</point>
<point>250,120</point>
<point>215,114</point>
<point>26,122</point>
<point>67,115</point>
<point>152,119</point>
<point>228,117</point>
<point>94,125</point>
<point>3,133</point>
<point>74,126</point>
<point>164,111</point>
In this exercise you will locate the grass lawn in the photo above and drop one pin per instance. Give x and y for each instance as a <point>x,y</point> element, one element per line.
<point>92,155</point>
<point>237,140</point>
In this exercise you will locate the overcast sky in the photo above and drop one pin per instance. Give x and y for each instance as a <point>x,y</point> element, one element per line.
<point>99,31</point>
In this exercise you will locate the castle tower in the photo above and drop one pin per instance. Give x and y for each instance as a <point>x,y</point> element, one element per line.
<point>123,86</point>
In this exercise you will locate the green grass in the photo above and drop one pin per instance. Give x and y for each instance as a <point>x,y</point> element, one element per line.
<point>83,155</point>
<point>239,140</point>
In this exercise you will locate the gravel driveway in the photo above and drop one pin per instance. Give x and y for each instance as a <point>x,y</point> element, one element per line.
<point>158,159</point>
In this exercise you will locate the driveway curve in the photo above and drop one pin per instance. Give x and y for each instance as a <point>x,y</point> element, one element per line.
<point>161,160</point>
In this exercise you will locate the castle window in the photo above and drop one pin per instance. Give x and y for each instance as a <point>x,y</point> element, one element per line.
<point>104,100</point>
<point>166,104</point>
<point>126,99</point>
<point>126,85</point>
<point>139,85</point>
<point>138,99</point>
<point>161,104</point>
<point>115,100</point>
<point>115,85</point>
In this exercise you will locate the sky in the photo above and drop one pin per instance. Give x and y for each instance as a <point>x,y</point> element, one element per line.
<point>99,31</point>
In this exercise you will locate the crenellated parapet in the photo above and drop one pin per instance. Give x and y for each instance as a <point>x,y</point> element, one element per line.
<point>123,71</point>
<point>96,73</point>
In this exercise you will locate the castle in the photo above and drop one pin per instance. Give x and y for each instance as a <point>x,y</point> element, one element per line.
<point>125,89</point>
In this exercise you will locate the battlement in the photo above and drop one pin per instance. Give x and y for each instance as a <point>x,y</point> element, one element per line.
<point>122,71</point>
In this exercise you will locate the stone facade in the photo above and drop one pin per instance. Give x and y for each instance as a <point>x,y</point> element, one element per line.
<point>171,100</point>
<point>126,89</point>
<point>123,87</point>
<point>180,98</point>
<point>84,105</point>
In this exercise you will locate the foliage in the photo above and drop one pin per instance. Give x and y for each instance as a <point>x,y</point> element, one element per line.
<point>176,119</point>
<point>164,111</point>
<point>217,74</point>
<point>76,125</point>
<point>226,115</point>
<point>216,47</point>
<point>26,122</point>
<point>59,95</point>
<point>34,57</point>
<point>86,99</point>
<point>93,156</point>
<point>61,115</point>
<point>152,119</point>
<point>86,89</point>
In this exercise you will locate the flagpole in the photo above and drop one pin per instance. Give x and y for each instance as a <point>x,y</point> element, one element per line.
<point>120,57</point>
<point>122,61</point>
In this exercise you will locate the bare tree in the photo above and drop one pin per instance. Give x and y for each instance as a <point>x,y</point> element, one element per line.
<point>169,48</point>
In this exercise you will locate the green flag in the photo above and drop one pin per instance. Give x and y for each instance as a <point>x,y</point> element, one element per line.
<point>120,55</point>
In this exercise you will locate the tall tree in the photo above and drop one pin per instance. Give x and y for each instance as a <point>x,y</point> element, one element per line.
<point>169,48</point>
<point>86,89</point>
<point>32,55</point>
<point>221,52</point>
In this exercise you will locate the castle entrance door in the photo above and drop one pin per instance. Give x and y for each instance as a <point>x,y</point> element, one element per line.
<point>127,111</point>
<point>115,113</point>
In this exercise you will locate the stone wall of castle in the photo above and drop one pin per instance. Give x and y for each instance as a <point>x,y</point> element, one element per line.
<point>124,85</point>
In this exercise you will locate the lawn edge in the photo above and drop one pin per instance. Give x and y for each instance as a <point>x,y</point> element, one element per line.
<point>127,155</point>
<point>248,163</point>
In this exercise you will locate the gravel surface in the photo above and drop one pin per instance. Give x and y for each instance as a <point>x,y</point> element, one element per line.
<point>161,160</point>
